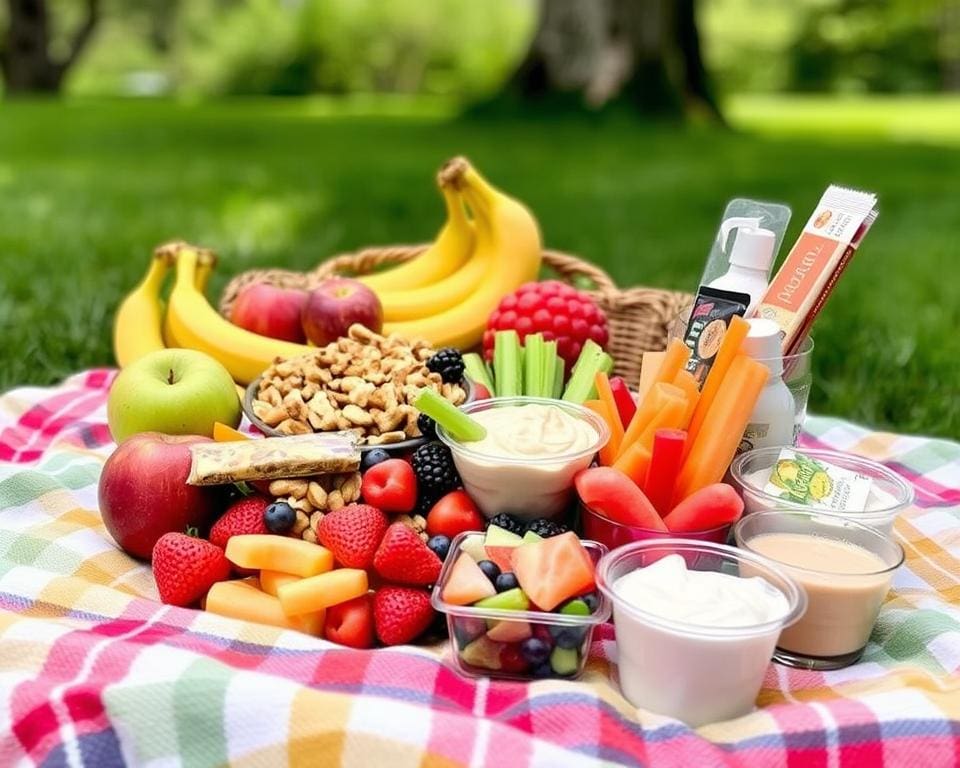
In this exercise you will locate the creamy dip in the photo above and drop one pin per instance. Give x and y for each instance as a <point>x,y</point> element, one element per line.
<point>526,463</point>
<point>532,432</point>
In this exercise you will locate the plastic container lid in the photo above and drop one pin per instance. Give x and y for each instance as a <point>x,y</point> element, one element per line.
<point>763,344</point>
<point>753,248</point>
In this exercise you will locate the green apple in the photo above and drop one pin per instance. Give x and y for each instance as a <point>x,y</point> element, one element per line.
<point>173,391</point>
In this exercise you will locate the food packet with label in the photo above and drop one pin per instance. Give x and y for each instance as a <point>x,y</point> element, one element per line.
<point>800,479</point>
<point>273,458</point>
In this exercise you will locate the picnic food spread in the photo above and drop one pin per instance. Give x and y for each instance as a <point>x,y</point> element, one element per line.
<point>447,452</point>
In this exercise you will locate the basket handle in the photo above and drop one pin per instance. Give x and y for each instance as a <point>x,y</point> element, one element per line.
<point>568,268</point>
<point>365,261</point>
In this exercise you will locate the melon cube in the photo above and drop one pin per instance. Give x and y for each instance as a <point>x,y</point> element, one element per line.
<point>271,581</point>
<point>466,583</point>
<point>322,591</point>
<point>242,600</point>
<point>265,551</point>
<point>509,631</point>
<point>553,570</point>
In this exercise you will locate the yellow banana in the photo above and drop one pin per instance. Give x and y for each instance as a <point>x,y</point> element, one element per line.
<point>206,262</point>
<point>507,235</point>
<point>443,258</point>
<point>191,322</point>
<point>139,318</point>
<point>428,300</point>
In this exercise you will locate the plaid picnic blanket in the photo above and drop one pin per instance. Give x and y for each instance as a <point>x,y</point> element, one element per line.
<point>95,672</point>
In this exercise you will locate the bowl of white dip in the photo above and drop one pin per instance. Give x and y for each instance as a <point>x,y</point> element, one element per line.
<point>533,448</point>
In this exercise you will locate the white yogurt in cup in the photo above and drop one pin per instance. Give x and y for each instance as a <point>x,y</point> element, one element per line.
<point>694,638</point>
<point>533,448</point>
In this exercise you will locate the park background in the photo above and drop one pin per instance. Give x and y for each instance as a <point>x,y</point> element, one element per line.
<point>280,132</point>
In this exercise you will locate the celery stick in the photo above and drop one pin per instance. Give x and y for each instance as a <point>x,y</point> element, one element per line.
<point>548,373</point>
<point>477,371</point>
<point>533,365</point>
<point>580,386</point>
<point>458,424</point>
<point>508,364</point>
<point>556,389</point>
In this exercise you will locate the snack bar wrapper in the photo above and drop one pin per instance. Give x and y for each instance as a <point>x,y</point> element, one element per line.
<point>273,458</point>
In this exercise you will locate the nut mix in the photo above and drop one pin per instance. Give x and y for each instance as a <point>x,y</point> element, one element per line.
<point>364,382</point>
<point>312,497</point>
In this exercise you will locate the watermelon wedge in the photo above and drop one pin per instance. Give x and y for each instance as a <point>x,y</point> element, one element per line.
<point>553,570</point>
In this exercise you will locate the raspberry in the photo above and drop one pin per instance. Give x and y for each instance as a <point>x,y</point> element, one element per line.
<point>553,308</point>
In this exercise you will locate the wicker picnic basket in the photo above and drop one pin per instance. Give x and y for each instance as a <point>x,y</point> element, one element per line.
<point>637,317</point>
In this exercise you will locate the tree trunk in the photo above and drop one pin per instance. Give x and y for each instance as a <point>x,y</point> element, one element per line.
<point>594,53</point>
<point>25,54</point>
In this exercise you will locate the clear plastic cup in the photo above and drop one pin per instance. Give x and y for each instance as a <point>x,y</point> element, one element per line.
<point>613,534</point>
<point>843,601</point>
<point>697,673</point>
<point>890,493</point>
<point>797,370</point>
<point>530,487</point>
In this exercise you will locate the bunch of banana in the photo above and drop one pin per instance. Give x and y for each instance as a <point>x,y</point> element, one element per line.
<point>505,253</point>
<point>191,322</point>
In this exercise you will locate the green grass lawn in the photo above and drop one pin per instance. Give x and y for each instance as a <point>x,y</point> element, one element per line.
<point>88,189</point>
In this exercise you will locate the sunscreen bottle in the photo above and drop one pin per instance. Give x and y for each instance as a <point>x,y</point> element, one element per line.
<point>772,420</point>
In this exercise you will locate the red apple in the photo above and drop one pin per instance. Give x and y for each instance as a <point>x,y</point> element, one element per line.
<point>143,491</point>
<point>270,311</point>
<point>335,305</point>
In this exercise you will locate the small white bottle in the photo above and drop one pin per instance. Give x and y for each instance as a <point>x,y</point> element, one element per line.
<point>772,420</point>
<point>751,259</point>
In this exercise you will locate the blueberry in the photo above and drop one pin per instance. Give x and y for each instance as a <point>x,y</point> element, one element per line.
<point>279,517</point>
<point>592,601</point>
<point>490,569</point>
<point>568,637</point>
<point>543,670</point>
<point>373,457</point>
<point>439,545</point>
<point>506,581</point>
<point>535,650</point>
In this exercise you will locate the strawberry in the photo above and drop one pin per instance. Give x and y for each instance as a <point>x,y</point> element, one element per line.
<point>401,613</point>
<point>403,557</point>
<point>243,516</point>
<point>353,534</point>
<point>185,568</point>
<point>351,623</point>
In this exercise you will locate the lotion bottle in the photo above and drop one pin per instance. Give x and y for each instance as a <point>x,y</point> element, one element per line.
<point>772,420</point>
<point>751,259</point>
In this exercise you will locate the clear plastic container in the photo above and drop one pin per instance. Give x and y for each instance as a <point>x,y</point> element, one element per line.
<point>613,534</point>
<point>531,487</point>
<point>891,494</point>
<point>697,673</point>
<point>475,654</point>
<point>843,600</point>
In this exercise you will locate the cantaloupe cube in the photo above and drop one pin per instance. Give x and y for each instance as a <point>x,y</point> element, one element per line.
<point>553,570</point>
<point>226,434</point>
<point>318,592</point>
<point>271,581</point>
<point>242,600</point>
<point>466,583</point>
<point>268,552</point>
<point>509,631</point>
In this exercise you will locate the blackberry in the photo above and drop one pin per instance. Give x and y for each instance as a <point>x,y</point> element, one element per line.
<point>448,362</point>
<point>546,528</point>
<point>505,520</point>
<point>436,473</point>
<point>427,426</point>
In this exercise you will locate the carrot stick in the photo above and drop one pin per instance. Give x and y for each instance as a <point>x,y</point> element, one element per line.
<point>648,372</point>
<point>688,383</point>
<point>669,417</point>
<point>608,453</point>
<point>634,463</point>
<point>674,359</point>
<point>732,341</point>
<point>716,443</point>
<point>656,398</point>
<point>665,461</point>
<point>602,383</point>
